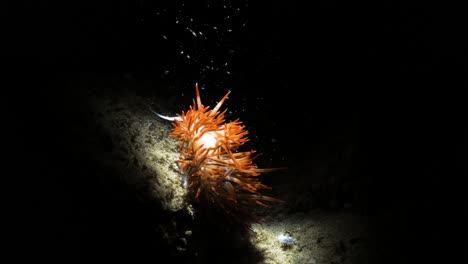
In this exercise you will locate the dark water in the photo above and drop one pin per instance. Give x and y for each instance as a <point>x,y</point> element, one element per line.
<point>308,80</point>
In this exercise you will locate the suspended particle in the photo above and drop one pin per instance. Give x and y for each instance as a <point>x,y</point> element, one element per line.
<point>193,32</point>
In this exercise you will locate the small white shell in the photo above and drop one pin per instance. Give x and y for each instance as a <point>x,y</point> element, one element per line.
<point>286,239</point>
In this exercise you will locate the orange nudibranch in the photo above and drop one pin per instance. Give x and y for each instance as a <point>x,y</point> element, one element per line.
<point>216,171</point>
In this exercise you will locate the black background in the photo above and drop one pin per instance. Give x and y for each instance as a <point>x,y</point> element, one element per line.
<point>393,70</point>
